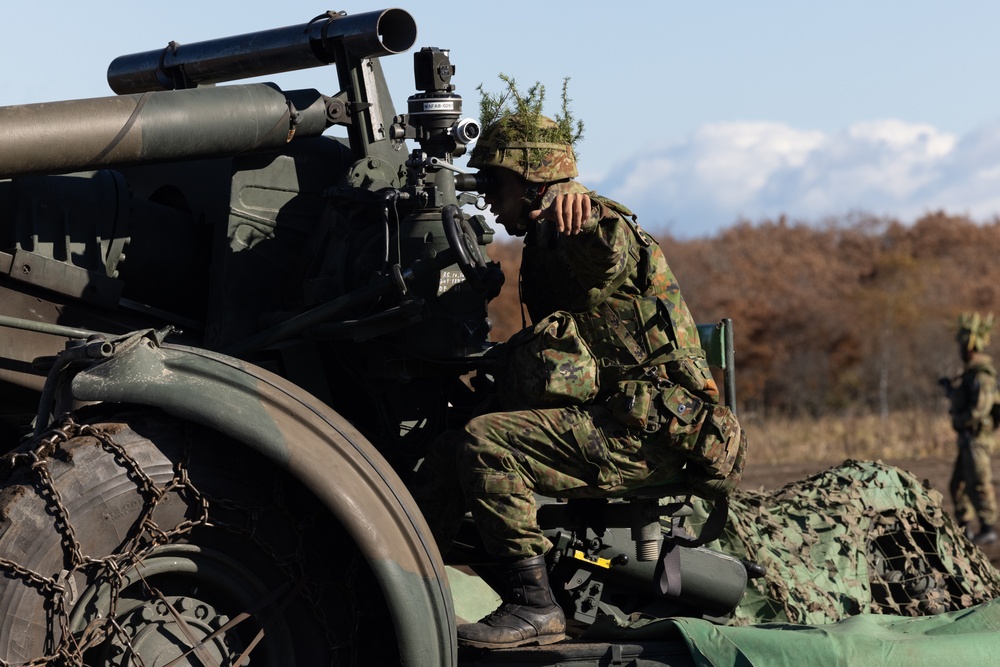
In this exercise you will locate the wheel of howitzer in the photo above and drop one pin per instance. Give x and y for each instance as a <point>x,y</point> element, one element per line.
<point>154,542</point>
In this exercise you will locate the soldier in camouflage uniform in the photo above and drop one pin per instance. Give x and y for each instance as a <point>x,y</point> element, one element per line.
<point>972,395</point>
<point>622,397</point>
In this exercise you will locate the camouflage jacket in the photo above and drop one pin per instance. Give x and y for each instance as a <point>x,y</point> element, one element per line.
<point>616,282</point>
<point>973,396</point>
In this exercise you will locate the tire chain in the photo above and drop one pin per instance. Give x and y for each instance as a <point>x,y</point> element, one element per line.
<point>70,649</point>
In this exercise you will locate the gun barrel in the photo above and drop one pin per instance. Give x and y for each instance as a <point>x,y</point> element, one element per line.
<point>366,35</point>
<point>78,135</point>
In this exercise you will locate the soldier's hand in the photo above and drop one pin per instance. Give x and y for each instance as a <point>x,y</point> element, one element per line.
<point>570,211</point>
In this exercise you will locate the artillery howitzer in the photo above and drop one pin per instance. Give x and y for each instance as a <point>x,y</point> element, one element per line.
<point>229,338</point>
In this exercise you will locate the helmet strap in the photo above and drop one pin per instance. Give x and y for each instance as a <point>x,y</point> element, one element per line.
<point>534,192</point>
<point>531,199</point>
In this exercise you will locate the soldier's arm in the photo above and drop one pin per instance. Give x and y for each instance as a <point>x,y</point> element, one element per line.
<point>598,253</point>
<point>571,211</point>
<point>982,403</point>
<point>977,406</point>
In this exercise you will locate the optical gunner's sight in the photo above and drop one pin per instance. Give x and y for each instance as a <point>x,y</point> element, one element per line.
<point>435,112</point>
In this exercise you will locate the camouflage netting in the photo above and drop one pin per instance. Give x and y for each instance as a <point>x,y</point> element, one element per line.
<point>861,537</point>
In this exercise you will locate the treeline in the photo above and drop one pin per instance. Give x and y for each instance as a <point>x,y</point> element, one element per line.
<point>854,316</point>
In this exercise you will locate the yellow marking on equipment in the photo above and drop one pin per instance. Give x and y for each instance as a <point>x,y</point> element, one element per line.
<point>599,562</point>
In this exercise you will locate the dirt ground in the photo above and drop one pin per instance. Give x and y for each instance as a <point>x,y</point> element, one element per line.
<point>935,471</point>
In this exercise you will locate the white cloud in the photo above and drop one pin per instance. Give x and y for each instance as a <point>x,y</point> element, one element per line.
<point>725,171</point>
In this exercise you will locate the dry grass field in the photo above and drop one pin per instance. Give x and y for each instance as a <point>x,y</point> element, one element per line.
<point>900,435</point>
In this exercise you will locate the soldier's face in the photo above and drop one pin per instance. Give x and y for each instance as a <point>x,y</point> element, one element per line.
<point>505,197</point>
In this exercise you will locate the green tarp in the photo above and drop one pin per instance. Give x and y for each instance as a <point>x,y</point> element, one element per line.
<point>966,638</point>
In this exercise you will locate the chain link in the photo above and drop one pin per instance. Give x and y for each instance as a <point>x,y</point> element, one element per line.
<point>69,649</point>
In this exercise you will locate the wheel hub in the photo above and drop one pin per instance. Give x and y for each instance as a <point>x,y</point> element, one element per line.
<point>175,603</point>
<point>155,634</point>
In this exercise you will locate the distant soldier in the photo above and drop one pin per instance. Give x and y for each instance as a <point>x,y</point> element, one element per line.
<point>972,395</point>
<point>608,391</point>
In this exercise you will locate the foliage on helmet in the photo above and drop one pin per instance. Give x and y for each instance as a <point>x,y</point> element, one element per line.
<point>974,330</point>
<point>518,137</point>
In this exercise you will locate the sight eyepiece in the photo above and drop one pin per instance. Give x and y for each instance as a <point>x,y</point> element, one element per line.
<point>477,182</point>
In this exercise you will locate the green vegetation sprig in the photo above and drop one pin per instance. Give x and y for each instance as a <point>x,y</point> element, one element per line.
<point>515,116</point>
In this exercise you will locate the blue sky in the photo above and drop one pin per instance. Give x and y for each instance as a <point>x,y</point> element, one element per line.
<point>697,113</point>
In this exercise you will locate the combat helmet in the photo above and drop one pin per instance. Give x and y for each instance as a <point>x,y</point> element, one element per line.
<point>974,331</point>
<point>507,147</point>
<point>517,137</point>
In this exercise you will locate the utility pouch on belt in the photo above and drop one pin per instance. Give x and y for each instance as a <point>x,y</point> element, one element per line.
<point>646,405</point>
<point>693,373</point>
<point>681,404</point>
<point>719,454</point>
<point>548,365</point>
<point>630,405</point>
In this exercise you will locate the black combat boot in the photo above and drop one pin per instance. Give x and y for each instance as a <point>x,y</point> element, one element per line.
<point>528,615</point>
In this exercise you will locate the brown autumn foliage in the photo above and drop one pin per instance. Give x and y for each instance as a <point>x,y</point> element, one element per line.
<point>505,310</point>
<point>851,317</point>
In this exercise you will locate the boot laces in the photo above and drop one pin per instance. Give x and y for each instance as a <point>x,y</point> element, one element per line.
<point>506,609</point>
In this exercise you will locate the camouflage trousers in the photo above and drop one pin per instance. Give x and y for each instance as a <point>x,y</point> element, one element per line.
<point>499,461</point>
<point>971,483</point>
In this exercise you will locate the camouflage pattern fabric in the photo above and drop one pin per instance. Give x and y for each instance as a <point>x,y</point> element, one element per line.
<point>547,365</point>
<point>535,161</point>
<point>971,484</point>
<point>556,161</point>
<point>500,460</point>
<point>614,272</point>
<point>655,417</point>
<point>972,399</point>
<point>859,538</point>
<point>629,309</point>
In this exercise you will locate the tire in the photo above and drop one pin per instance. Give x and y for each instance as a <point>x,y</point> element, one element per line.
<point>133,539</point>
